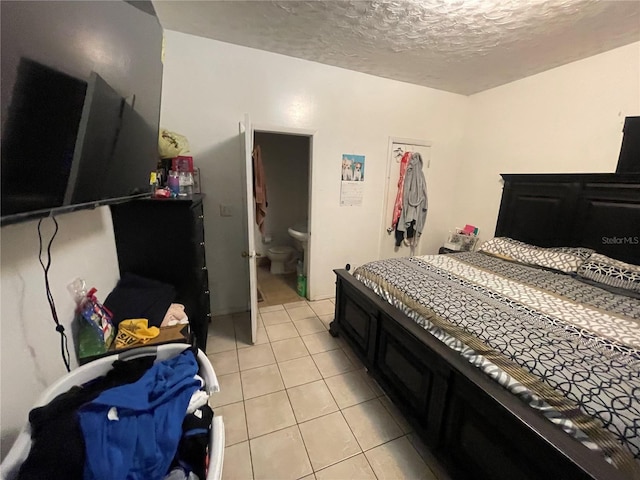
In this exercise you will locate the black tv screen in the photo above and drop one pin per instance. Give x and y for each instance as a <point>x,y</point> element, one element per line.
<point>81,85</point>
<point>39,138</point>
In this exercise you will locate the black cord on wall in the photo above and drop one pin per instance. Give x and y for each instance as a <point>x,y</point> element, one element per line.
<point>64,345</point>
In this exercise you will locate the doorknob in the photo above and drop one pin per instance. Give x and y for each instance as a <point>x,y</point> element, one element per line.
<point>246,254</point>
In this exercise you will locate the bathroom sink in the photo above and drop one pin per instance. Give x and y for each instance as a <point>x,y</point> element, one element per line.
<point>299,232</point>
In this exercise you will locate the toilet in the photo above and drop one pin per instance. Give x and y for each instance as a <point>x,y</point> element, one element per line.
<point>281,259</point>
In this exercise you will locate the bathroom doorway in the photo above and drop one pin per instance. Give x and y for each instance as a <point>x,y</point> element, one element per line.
<point>282,247</point>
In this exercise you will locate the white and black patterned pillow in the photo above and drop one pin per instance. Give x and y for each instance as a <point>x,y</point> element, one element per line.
<point>582,252</point>
<point>553,258</point>
<point>609,271</point>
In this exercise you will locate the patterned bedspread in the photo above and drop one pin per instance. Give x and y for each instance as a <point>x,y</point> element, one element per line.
<point>568,349</point>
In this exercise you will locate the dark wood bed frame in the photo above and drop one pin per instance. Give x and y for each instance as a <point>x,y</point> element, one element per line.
<point>476,428</point>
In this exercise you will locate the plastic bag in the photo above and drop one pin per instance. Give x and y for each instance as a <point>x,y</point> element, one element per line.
<point>95,332</point>
<point>171,144</point>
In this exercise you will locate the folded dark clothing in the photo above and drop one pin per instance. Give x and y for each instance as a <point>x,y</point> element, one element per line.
<point>193,446</point>
<point>139,297</point>
<point>57,443</point>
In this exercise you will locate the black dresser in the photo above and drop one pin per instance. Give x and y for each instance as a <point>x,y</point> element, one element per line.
<point>163,239</point>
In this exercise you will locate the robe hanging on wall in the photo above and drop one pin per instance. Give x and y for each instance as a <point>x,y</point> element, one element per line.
<point>412,189</point>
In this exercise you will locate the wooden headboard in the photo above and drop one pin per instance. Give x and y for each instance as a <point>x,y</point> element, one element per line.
<point>595,210</point>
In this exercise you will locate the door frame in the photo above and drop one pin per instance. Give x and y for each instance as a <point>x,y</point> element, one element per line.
<point>302,132</point>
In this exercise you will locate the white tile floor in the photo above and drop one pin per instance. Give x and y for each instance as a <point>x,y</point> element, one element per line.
<point>298,403</point>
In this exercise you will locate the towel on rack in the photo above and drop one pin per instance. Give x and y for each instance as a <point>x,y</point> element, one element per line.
<point>259,188</point>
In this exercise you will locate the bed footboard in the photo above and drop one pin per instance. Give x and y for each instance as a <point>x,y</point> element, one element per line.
<point>474,427</point>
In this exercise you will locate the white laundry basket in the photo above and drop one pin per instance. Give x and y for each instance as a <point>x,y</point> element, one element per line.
<point>20,450</point>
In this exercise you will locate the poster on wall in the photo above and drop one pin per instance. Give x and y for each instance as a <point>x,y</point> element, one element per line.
<point>352,180</point>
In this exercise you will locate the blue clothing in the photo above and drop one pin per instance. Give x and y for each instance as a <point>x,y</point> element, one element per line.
<point>138,439</point>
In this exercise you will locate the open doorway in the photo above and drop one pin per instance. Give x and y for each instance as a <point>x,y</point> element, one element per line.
<point>282,247</point>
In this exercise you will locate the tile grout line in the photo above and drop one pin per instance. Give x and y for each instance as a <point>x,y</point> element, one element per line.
<point>297,424</point>
<point>394,421</point>
<point>352,432</point>
<point>235,338</point>
<point>286,390</point>
<point>326,415</point>
<point>244,403</point>
<point>348,426</point>
<point>295,418</point>
<point>246,425</point>
<point>301,384</point>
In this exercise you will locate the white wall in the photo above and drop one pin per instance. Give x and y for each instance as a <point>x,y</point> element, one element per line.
<point>568,119</point>
<point>209,86</point>
<point>286,166</point>
<point>30,357</point>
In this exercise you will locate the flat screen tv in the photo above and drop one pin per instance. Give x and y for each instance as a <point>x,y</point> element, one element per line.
<point>79,123</point>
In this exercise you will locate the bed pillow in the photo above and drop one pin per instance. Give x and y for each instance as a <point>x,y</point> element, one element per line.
<point>553,258</point>
<point>614,273</point>
<point>582,252</point>
<point>609,288</point>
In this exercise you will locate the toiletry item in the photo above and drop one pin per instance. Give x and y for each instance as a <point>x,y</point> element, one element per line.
<point>196,181</point>
<point>161,177</point>
<point>153,182</point>
<point>173,181</point>
<point>301,284</point>
<point>186,183</point>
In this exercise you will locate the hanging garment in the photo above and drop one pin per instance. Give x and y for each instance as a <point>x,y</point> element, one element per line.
<point>57,444</point>
<point>259,188</point>
<point>133,431</point>
<point>397,206</point>
<point>414,202</point>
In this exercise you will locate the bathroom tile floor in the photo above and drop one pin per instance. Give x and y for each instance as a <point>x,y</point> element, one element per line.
<point>276,289</point>
<point>299,405</point>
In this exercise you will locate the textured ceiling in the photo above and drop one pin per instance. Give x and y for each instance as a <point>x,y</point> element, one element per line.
<point>462,46</point>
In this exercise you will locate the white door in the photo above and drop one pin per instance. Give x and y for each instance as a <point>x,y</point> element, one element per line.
<point>246,132</point>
